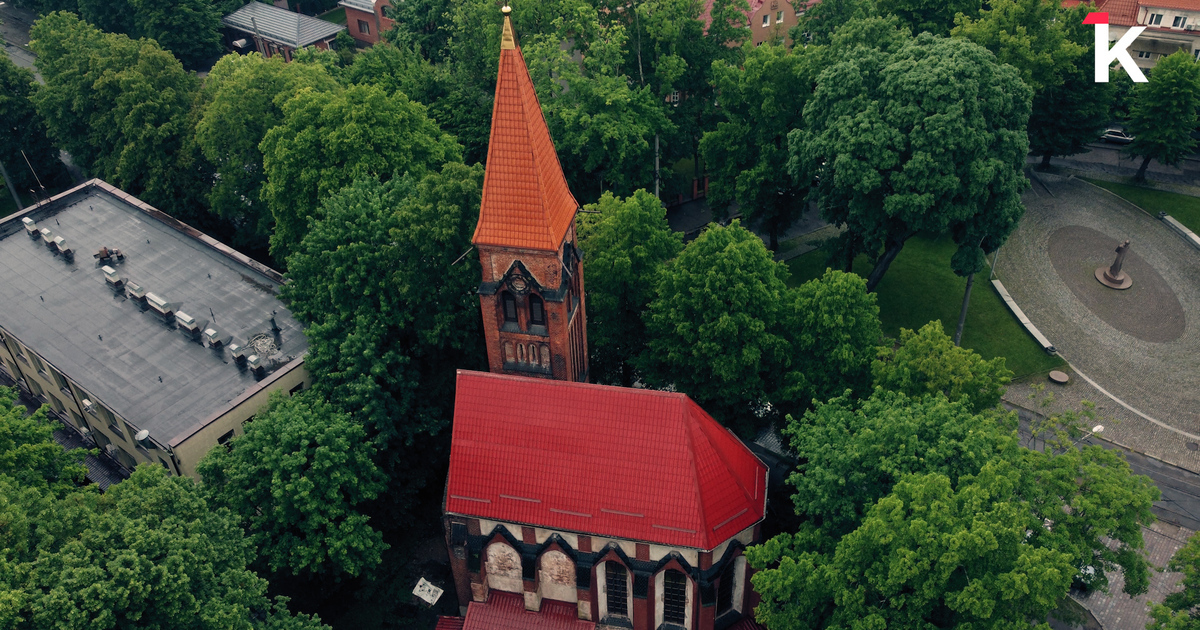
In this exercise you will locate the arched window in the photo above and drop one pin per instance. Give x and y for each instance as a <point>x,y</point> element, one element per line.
<point>557,577</point>
<point>503,568</point>
<point>725,588</point>
<point>674,598</point>
<point>537,311</point>
<point>616,590</point>
<point>510,307</point>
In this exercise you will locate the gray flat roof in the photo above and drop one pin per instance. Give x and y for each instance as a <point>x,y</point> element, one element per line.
<point>361,5</point>
<point>110,344</point>
<point>280,25</point>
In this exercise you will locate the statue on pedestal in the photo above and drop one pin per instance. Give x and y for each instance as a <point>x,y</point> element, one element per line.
<point>1112,277</point>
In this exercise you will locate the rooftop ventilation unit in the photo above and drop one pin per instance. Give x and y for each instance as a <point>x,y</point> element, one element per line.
<point>47,237</point>
<point>31,228</point>
<point>214,338</point>
<point>88,406</point>
<point>106,255</point>
<point>161,306</point>
<point>60,244</point>
<point>112,277</point>
<point>238,352</point>
<point>187,323</point>
<point>253,362</point>
<point>135,291</point>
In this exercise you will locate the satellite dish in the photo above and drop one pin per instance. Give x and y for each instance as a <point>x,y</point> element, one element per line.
<point>142,435</point>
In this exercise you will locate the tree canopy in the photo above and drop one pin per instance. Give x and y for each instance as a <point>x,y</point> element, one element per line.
<point>836,334</point>
<point>626,245</point>
<point>1175,612</point>
<point>1166,110</point>
<point>718,326</point>
<point>295,480</point>
<point>927,362</point>
<point>149,552</point>
<point>329,139</point>
<point>928,137</point>
<point>22,130</point>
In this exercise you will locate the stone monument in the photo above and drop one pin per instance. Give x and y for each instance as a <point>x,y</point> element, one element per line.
<point>1112,277</point>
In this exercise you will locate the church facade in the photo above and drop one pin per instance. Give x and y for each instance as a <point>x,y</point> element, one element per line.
<point>568,504</point>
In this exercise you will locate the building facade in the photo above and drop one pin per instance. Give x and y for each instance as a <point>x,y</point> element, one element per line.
<point>156,352</point>
<point>1171,25</point>
<point>589,505</point>
<point>368,20</point>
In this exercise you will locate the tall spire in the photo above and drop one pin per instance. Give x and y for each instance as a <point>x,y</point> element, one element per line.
<point>526,202</point>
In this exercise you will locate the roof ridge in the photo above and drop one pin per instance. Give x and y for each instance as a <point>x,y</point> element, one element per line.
<point>706,535</point>
<point>572,384</point>
<point>729,465</point>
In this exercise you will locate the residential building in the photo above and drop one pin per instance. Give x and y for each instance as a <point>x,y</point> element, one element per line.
<point>277,31</point>
<point>368,20</point>
<point>769,20</point>
<point>152,340</point>
<point>1171,25</point>
<point>569,504</point>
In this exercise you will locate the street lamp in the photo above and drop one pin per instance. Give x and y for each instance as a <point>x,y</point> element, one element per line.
<point>1099,428</point>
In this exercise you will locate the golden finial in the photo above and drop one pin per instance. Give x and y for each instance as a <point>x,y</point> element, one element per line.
<point>507,41</point>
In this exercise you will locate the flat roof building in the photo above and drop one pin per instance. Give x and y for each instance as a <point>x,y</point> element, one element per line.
<point>149,337</point>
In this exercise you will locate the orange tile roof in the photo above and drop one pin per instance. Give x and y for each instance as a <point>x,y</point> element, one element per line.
<point>1185,5</point>
<point>526,201</point>
<point>1120,12</point>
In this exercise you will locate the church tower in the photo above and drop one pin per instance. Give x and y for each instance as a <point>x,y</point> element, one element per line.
<point>531,293</point>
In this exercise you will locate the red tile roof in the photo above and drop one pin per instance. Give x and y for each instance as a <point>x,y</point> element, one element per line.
<point>755,5</point>
<point>747,623</point>
<point>506,611</point>
<point>617,462</point>
<point>449,623</point>
<point>1120,12</point>
<point>1184,5</point>
<point>526,201</point>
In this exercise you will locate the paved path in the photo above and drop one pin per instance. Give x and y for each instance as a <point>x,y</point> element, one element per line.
<point>1151,389</point>
<point>1107,159</point>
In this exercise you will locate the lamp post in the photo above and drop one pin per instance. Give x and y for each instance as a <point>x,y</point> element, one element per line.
<point>1099,428</point>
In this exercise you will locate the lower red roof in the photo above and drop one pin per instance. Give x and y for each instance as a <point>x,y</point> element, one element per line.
<point>506,611</point>
<point>449,623</point>
<point>617,462</point>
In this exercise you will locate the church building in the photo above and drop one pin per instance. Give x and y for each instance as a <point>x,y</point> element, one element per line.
<point>570,505</point>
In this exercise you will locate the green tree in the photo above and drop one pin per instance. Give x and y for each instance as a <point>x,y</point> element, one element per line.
<point>110,16</point>
<point>928,555</point>
<point>718,327</point>
<point>927,362</point>
<point>22,130</point>
<point>836,335</point>
<point>1049,47</point>
<point>1165,112</point>
<point>330,139</point>
<point>242,100</point>
<point>627,243</point>
<point>187,28</point>
<point>344,44</point>
<point>28,453</point>
<point>934,16</point>
<point>762,100</point>
<point>819,22</point>
<point>928,138</point>
<point>295,481</point>
<point>120,107</point>
<point>1175,612</point>
<point>385,351</point>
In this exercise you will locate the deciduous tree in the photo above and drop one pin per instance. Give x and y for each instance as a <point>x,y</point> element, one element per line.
<point>295,481</point>
<point>1165,112</point>
<point>329,139</point>
<point>927,362</point>
<point>718,327</point>
<point>187,28</point>
<point>928,138</point>
<point>836,336</point>
<point>1175,612</point>
<point>626,244</point>
<point>934,16</point>
<point>22,130</point>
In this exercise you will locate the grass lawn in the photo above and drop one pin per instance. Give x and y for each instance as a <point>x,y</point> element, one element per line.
<point>337,16</point>
<point>1183,208</point>
<point>920,287</point>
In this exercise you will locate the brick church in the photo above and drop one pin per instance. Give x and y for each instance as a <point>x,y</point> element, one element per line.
<point>570,505</point>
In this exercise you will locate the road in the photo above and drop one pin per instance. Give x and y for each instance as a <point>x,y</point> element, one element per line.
<point>14,30</point>
<point>1180,503</point>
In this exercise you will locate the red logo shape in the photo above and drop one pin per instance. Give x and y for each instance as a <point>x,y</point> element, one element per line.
<point>1096,18</point>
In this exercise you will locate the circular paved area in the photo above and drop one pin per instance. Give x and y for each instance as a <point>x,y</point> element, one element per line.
<point>1141,345</point>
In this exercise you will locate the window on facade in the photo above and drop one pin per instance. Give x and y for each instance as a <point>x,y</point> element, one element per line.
<point>779,17</point>
<point>510,307</point>
<point>537,311</point>
<point>363,27</point>
<point>1196,54</point>
<point>1180,21</point>
<point>58,379</point>
<point>766,21</point>
<point>1155,19</point>
<point>725,588</point>
<point>389,12</point>
<point>225,440</point>
<point>33,385</point>
<point>675,96</point>
<point>674,597</point>
<point>1143,54</point>
<point>616,587</point>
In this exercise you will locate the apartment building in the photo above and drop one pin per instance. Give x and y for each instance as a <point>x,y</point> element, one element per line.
<point>149,338</point>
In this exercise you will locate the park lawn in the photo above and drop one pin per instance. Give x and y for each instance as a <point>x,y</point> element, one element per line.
<point>337,16</point>
<point>920,287</point>
<point>1183,208</point>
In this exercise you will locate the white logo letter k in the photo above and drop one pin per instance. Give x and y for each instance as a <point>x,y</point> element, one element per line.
<point>1119,52</point>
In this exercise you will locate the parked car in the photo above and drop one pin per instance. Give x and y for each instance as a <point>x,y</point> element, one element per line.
<point>1115,135</point>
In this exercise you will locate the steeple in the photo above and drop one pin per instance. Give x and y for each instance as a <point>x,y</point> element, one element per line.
<point>526,201</point>
<point>531,294</point>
